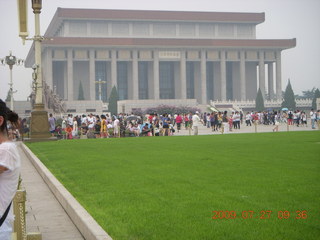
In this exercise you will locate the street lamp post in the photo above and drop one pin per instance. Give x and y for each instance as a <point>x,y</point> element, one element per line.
<point>10,61</point>
<point>39,116</point>
<point>100,89</point>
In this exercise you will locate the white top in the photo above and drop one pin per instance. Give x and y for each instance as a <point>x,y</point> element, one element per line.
<point>195,120</point>
<point>91,122</point>
<point>70,121</point>
<point>236,117</point>
<point>75,126</point>
<point>312,115</point>
<point>116,123</point>
<point>9,158</point>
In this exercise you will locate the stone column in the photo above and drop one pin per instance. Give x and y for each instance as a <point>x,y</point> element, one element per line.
<point>242,76</point>
<point>203,77</point>
<point>156,88</point>
<point>278,76</point>
<point>183,75</point>
<point>223,76</point>
<point>262,74</point>
<point>70,74</point>
<point>114,69</point>
<point>92,75</point>
<point>270,81</point>
<point>135,80</point>
<point>48,68</point>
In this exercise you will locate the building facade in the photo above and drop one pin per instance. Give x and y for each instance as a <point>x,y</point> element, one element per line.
<point>160,55</point>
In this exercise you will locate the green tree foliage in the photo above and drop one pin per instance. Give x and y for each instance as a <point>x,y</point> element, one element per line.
<point>314,100</point>
<point>259,101</point>
<point>288,98</point>
<point>113,101</point>
<point>308,93</point>
<point>81,93</point>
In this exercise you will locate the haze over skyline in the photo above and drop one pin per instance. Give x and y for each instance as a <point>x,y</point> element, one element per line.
<point>284,19</point>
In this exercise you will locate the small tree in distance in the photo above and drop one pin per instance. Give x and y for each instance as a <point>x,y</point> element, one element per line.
<point>288,98</point>
<point>314,100</point>
<point>113,101</point>
<point>259,101</point>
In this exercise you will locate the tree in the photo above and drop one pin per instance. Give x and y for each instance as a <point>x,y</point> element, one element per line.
<point>259,101</point>
<point>113,101</point>
<point>288,99</point>
<point>81,93</point>
<point>308,93</point>
<point>314,100</point>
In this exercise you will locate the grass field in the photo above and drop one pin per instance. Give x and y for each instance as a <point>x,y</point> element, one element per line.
<point>170,187</point>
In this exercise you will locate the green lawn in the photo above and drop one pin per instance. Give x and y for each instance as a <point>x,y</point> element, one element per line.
<point>169,187</point>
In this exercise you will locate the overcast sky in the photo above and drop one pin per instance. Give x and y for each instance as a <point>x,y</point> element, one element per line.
<point>285,19</point>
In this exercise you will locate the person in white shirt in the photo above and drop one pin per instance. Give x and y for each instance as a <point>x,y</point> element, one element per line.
<point>116,127</point>
<point>236,120</point>
<point>75,127</point>
<point>196,121</point>
<point>313,118</point>
<point>9,171</point>
<point>91,121</point>
<point>70,119</point>
<point>248,119</point>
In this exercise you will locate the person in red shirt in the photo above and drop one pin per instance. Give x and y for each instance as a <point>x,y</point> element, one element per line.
<point>178,121</point>
<point>150,118</point>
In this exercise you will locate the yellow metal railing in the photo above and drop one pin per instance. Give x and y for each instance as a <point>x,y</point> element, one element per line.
<point>19,226</point>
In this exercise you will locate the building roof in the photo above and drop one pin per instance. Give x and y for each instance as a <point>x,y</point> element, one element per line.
<point>151,15</point>
<point>172,42</point>
<point>159,15</point>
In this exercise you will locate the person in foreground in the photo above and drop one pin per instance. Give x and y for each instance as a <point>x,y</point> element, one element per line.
<point>9,170</point>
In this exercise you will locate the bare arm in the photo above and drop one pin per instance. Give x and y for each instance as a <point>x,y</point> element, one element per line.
<point>3,169</point>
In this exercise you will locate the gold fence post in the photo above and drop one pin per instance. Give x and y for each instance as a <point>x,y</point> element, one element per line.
<point>20,214</point>
<point>19,226</point>
<point>34,236</point>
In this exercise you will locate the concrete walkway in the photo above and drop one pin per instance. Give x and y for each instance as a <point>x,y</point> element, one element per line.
<point>44,212</point>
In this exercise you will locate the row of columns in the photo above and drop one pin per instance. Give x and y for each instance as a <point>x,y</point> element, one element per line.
<point>183,89</point>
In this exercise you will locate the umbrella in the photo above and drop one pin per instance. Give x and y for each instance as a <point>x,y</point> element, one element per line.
<point>131,118</point>
<point>284,109</point>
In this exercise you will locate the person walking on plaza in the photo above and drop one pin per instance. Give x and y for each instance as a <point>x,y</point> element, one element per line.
<point>178,121</point>
<point>196,121</point>
<point>9,171</point>
<point>225,122</point>
<point>52,124</point>
<point>248,119</point>
<point>313,117</point>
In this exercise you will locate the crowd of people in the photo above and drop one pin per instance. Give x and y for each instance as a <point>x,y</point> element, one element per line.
<point>105,126</point>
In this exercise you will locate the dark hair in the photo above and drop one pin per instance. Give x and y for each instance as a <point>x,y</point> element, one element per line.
<point>7,115</point>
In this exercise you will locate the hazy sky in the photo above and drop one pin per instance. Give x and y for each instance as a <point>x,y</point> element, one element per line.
<point>285,19</point>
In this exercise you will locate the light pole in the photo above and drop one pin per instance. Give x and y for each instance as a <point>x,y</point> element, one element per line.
<point>10,61</point>
<point>100,92</point>
<point>39,117</point>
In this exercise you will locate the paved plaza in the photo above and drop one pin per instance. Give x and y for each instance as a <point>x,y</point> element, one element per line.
<point>260,128</point>
<point>46,215</point>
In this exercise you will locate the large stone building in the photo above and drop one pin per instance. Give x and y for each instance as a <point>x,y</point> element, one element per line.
<point>159,55</point>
